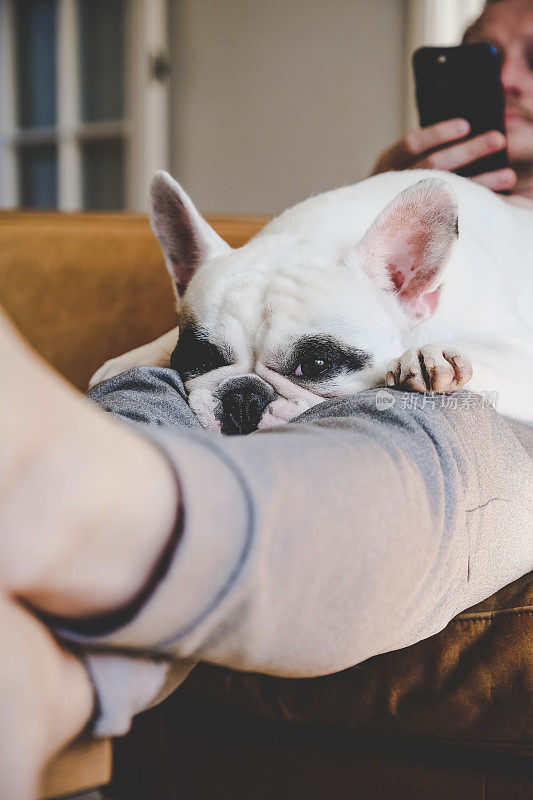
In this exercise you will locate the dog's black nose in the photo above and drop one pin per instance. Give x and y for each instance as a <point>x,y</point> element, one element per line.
<point>243,408</point>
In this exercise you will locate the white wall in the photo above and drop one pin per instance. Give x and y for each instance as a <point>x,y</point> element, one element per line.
<point>273,100</point>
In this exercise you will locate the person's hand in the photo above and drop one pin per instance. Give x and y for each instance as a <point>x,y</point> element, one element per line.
<point>46,699</point>
<point>442,146</point>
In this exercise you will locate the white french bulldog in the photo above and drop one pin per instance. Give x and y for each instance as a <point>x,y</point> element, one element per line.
<point>416,279</point>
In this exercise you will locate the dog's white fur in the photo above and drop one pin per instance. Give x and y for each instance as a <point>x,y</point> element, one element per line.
<point>326,267</point>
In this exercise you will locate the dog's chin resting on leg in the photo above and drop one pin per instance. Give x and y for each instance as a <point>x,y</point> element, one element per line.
<point>414,280</point>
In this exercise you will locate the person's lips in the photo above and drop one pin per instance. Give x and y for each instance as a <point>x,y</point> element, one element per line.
<point>512,117</point>
<point>517,116</point>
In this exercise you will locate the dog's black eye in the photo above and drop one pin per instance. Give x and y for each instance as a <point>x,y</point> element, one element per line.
<point>312,368</point>
<point>322,358</point>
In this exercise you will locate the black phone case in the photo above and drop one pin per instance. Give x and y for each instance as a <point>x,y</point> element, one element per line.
<point>465,82</point>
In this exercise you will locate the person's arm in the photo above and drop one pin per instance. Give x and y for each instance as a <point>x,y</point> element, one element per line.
<point>310,548</point>
<point>442,146</point>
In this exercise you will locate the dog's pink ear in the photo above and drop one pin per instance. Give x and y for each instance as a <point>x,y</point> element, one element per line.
<point>186,239</point>
<point>408,247</point>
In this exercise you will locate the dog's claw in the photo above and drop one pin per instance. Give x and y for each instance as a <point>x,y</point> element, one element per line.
<point>432,368</point>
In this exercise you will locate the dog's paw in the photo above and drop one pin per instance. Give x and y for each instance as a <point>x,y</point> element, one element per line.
<point>432,368</point>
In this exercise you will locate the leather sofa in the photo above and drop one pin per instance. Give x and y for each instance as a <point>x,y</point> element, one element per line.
<point>450,717</point>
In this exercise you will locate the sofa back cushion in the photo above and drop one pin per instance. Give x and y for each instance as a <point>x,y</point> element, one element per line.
<point>86,287</point>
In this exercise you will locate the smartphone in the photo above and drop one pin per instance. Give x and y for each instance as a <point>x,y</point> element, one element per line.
<point>465,82</point>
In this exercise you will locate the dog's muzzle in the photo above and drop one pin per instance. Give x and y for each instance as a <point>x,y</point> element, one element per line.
<point>242,403</point>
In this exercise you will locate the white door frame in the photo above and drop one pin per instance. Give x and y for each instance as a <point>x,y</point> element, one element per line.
<point>148,109</point>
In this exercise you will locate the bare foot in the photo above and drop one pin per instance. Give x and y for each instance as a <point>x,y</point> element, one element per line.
<point>433,368</point>
<point>78,492</point>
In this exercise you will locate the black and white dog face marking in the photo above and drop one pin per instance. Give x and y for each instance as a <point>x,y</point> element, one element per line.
<point>273,328</point>
<point>274,388</point>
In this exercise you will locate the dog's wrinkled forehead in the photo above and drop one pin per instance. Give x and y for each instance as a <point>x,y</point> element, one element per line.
<point>262,295</point>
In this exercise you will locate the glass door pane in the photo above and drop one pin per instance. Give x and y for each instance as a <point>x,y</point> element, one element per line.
<point>38,176</point>
<point>103,174</point>
<point>35,22</point>
<point>102,45</point>
<point>102,49</point>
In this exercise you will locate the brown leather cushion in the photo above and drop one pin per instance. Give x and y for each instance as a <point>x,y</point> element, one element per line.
<point>86,287</point>
<point>450,717</point>
<point>192,750</point>
<point>471,684</point>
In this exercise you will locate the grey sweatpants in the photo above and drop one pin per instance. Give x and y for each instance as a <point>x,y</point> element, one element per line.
<point>363,526</point>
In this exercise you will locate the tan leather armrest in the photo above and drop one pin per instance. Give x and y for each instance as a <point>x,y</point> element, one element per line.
<point>85,764</point>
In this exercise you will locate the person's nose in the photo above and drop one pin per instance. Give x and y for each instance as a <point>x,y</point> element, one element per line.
<point>512,75</point>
